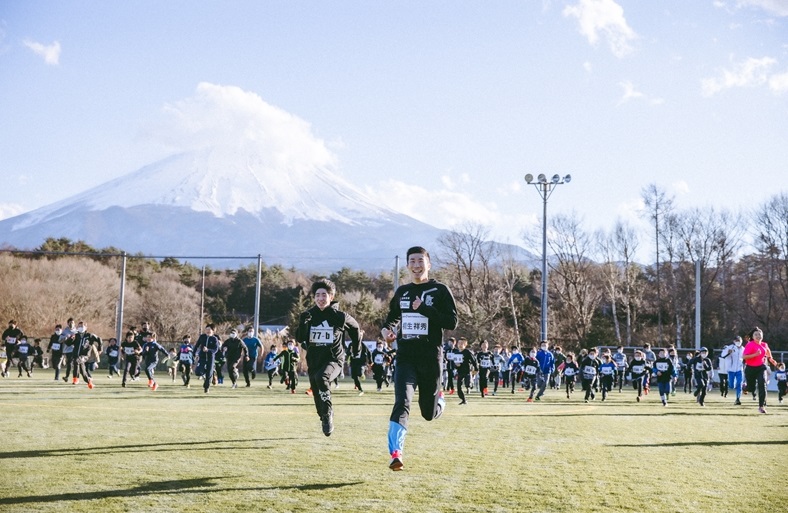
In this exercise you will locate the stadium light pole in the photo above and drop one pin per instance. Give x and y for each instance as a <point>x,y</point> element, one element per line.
<point>545,189</point>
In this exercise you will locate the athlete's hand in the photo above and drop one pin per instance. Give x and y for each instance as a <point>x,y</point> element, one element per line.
<point>416,303</point>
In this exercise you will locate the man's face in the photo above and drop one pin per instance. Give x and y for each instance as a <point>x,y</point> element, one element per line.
<point>419,266</point>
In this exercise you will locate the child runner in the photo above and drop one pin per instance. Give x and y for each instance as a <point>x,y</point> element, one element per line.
<point>781,378</point>
<point>702,369</point>
<point>607,373</point>
<point>418,314</point>
<point>113,357</point>
<point>131,350</point>
<point>448,364</point>
<point>172,363</point>
<point>589,369</point>
<point>22,355</point>
<point>150,355</point>
<point>37,354</point>
<point>515,366</point>
<point>359,362</point>
<point>664,370</point>
<point>531,373</point>
<point>722,374</point>
<point>55,348</point>
<point>570,372</point>
<point>288,360</point>
<point>83,346</point>
<point>271,365</point>
<point>379,360</point>
<point>485,359</point>
<point>638,368</point>
<point>621,367</point>
<point>236,353</point>
<point>186,360</point>
<point>687,369</point>
<point>321,331</point>
<point>733,355</point>
<point>546,367</point>
<point>676,361</point>
<point>498,363</point>
<point>253,347</point>
<point>464,360</point>
<point>207,346</point>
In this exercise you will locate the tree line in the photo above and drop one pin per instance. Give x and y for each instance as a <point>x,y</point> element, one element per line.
<point>598,293</point>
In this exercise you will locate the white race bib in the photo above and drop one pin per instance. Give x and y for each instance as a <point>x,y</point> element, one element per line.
<point>662,366</point>
<point>321,336</point>
<point>414,325</point>
<point>607,371</point>
<point>379,359</point>
<point>530,370</point>
<point>569,371</point>
<point>56,346</point>
<point>113,353</point>
<point>589,370</point>
<point>10,340</point>
<point>638,369</point>
<point>22,349</point>
<point>699,366</point>
<point>128,350</point>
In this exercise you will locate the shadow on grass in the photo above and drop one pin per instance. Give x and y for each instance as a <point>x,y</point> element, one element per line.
<point>657,413</point>
<point>178,486</point>
<point>119,449</point>
<point>706,444</point>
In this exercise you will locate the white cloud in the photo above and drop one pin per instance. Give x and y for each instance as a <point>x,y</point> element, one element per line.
<point>779,83</point>
<point>749,73</point>
<point>588,67</point>
<point>10,210</point>
<point>775,7</point>
<point>447,182</point>
<point>630,93</point>
<point>50,53</point>
<point>681,187</point>
<point>233,119</point>
<point>605,18</point>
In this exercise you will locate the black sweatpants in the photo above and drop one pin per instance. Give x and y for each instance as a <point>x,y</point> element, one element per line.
<point>320,381</point>
<point>356,370</point>
<point>484,374</point>
<point>756,377</point>
<point>130,367</point>
<point>185,368</point>
<point>422,374</point>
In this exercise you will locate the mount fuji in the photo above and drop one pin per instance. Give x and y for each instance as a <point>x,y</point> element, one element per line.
<point>230,201</point>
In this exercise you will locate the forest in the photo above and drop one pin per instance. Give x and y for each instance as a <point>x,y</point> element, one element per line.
<point>598,293</point>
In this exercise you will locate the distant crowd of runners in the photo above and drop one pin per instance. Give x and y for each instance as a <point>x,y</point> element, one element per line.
<point>418,314</point>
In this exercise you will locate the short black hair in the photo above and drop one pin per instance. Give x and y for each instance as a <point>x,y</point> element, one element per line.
<point>324,283</point>
<point>417,250</point>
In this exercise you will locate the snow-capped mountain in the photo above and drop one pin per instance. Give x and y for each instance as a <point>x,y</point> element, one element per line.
<point>229,202</point>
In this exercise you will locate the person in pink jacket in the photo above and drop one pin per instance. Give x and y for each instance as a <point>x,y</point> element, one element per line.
<point>756,356</point>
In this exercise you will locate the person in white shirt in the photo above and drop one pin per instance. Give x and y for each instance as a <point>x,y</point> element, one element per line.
<point>732,355</point>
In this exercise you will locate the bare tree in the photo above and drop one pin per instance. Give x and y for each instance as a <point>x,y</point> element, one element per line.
<point>574,276</point>
<point>621,272</point>
<point>467,265</point>
<point>658,205</point>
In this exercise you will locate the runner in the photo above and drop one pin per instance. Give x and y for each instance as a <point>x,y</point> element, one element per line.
<point>418,314</point>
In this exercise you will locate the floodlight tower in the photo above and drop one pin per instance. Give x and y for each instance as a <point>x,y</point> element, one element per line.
<point>545,189</point>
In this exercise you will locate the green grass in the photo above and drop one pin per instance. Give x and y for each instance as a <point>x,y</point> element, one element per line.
<point>110,449</point>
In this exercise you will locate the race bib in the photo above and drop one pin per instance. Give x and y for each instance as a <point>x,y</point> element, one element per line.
<point>23,349</point>
<point>638,369</point>
<point>56,346</point>
<point>414,325</point>
<point>569,371</point>
<point>128,350</point>
<point>589,370</point>
<point>699,366</point>
<point>185,357</point>
<point>486,364</point>
<point>662,366</point>
<point>607,371</point>
<point>321,336</point>
<point>530,370</point>
<point>68,349</point>
<point>113,353</point>
<point>10,340</point>
<point>379,359</point>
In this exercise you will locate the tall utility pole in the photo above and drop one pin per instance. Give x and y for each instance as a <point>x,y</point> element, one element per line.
<point>545,190</point>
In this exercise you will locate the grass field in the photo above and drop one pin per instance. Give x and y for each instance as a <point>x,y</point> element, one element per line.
<point>70,449</point>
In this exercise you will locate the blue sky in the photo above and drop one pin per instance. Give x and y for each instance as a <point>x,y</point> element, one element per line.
<point>435,108</point>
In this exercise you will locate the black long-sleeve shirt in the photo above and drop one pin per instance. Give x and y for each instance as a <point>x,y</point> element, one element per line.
<point>420,331</point>
<point>322,334</point>
<point>464,360</point>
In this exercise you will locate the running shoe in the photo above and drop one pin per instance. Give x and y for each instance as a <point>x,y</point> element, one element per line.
<point>396,461</point>
<point>328,423</point>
